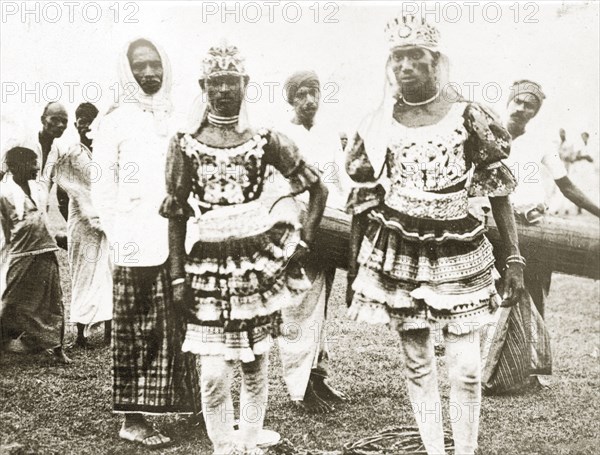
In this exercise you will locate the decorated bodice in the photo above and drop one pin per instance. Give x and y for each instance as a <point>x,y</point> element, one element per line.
<point>225,176</point>
<point>429,158</point>
<point>461,155</point>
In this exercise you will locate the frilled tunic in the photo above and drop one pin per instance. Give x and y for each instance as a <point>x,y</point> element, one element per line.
<point>424,258</point>
<point>238,264</point>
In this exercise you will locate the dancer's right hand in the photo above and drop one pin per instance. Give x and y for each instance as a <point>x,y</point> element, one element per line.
<point>349,295</point>
<point>182,300</point>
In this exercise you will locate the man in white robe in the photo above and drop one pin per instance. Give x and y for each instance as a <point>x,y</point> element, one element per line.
<point>89,257</point>
<point>151,375</point>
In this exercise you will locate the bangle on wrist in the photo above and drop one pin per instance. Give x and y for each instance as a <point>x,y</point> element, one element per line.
<point>303,244</point>
<point>303,238</point>
<point>516,259</point>
<point>177,281</point>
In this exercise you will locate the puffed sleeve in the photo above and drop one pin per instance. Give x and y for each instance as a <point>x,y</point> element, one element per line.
<point>368,193</point>
<point>178,182</point>
<point>283,155</point>
<point>487,145</point>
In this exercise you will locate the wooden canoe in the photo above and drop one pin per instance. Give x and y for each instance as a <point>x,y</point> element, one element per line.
<point>570,246</point>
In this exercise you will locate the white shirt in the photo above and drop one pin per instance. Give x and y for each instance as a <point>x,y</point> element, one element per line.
<point>130,157</point>
<point>533,158</point>
<point>566,152</point>
<point>321,148</point>
<point>47,174</point>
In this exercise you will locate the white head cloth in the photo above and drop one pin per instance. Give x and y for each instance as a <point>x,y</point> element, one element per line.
<point>159,104</point>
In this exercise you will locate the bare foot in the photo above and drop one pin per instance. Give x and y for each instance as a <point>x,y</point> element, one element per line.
<point>142,433</point>
<point>538,382</point>
<point>326,392</point>
<point>60,355</point>
<point>196,420</point>
<point>80,343</point>
<point>312,403</point>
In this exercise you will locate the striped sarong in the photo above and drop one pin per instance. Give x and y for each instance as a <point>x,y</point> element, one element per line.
<point>150,372</point>
<point>516,346</point>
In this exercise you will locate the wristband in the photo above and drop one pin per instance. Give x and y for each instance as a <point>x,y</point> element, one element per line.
<point>303,244</point>
<point>177,281</point>
<point>516,259</point>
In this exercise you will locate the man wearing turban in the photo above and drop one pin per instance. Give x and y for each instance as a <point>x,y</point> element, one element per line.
<point>529,156</point>
<point>305,359</point>
<point>528,161</point>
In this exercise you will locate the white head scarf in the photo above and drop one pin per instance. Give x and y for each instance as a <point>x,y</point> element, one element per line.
<point>159,104</point>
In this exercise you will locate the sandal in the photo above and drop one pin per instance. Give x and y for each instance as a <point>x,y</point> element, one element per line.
<point>146,440</point>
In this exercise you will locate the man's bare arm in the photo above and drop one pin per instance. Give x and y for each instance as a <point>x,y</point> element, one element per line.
<point>576,196</point>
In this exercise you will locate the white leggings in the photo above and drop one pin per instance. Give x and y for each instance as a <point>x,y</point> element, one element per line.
<point>464,371</point>
<point>217,404</point>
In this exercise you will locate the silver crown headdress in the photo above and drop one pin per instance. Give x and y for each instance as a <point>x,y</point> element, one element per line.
<point>411,30</point>
<point>223,59</point>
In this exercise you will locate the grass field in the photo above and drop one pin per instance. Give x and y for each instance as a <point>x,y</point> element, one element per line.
<point>50,409</point>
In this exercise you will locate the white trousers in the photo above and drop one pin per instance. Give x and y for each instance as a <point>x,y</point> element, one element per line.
<point>303,341</point>
<point>217,404</point>
<point>464,371</point>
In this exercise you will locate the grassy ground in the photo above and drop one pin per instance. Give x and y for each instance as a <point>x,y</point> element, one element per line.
<point>49,409</point>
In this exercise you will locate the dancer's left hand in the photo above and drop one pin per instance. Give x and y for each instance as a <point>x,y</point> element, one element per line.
<point>514,286</point>
<point>181,298</point>
<point>300,255</point>
<point>61,241</point>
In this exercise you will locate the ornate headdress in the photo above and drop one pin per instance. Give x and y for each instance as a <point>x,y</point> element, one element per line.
<point>221,60</point>
<point>411,30</point>
<point>407,30</point>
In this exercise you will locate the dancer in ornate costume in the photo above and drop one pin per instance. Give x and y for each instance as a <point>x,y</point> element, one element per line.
<point>237,262</point>
<point>424,262</point>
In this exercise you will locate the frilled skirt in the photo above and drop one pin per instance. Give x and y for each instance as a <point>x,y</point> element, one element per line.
<point>240,286</point>
<point>420,273</point>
